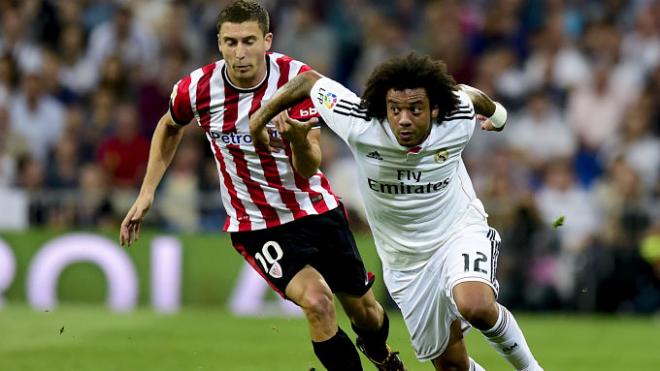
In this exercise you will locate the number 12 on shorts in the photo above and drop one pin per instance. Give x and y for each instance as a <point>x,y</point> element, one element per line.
<point>475,262</point>
<point>270,253</point>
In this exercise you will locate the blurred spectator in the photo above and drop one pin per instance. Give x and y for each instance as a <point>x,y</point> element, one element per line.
<point>345,19</point>
<point>38,117</point>
<point>641,46</point>
<point>126,38</point>
<point>12,147</point>
<point>500,71</point>
<point>77,72</point>
<point>637,145</point>
<point>560,197</point>
<point>442,37</point>
<point>178,36</point>
<point>502,28</point>
<point>114,77</point>
<point>304,38</point>
<point>9,76</point>
<point>51,79</point>
<point>623,206</point>
<point>153,96</point>
<point>602,42</point>
<point>69,13</point>
<point>180,194</point>
<point>93,207</point>
<point>124,154</point>
<point>31,180</point>
<point>383,38</point>
<point>595,113</point>
<point>14,38</point>
<point>528,133</point>
<point>63,164</point>
<point>554,61</point>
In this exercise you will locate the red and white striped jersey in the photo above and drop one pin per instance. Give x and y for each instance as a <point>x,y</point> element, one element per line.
<point>259,189</point>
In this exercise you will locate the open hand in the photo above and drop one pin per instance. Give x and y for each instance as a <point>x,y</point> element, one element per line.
<point>129,231</point>
<point>294,130</point>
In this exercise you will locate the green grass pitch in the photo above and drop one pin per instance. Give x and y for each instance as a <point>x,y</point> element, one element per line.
<point>92,338</point>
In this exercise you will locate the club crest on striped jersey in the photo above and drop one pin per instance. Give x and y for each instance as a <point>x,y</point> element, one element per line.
<point>275,270</point>
<point>441,155</point>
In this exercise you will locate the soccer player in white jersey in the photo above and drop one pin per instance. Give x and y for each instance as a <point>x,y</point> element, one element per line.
<point>439,255</point>
<point>286,223</point>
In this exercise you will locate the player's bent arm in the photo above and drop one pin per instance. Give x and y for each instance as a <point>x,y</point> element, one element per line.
<point>483,105</point>
<point>289,94</point>
<point>306,155</point>
<point>164,144</point>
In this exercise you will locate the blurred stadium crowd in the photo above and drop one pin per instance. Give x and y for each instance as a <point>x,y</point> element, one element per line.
<point>83,83</point>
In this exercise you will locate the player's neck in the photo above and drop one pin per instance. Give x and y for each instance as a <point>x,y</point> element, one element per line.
<point>250,83</point>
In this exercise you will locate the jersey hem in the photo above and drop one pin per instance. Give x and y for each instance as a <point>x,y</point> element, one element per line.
<point>263,223</point>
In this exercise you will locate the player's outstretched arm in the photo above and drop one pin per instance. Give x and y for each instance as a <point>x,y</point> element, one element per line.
<point>289,94</point>
<point>493,113</point>
<point>164,143</point>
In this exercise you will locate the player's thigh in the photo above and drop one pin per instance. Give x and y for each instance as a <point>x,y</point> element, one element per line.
<point>426,308</point>
<point>472,257</point>
<point>455,356</point>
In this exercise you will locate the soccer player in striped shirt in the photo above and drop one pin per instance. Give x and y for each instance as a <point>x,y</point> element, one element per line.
<point>286,223</point>
<point>439,255</point>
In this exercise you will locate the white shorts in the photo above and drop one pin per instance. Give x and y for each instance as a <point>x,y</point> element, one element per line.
<point>424,294</point>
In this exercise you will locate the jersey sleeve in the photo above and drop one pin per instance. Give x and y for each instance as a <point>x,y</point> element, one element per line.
<point>304,110</point>
<point>338,107</point>
<point>465,114</point>
<point>180,107</point>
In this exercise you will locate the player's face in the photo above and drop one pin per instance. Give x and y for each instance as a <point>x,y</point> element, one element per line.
<point>243,47</point>
<point>409,115</point>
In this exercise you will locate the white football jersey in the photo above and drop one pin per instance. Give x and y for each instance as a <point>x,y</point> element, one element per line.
<point>415,197</point>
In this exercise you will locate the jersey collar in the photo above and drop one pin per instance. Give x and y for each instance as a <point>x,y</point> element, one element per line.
<point>246,90</point>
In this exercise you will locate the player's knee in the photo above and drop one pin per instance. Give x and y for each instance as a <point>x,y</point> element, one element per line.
<point>317,303</point>
<point>480,311</point>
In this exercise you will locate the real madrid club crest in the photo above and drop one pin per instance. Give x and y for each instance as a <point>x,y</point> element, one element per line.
<point>441,155</point>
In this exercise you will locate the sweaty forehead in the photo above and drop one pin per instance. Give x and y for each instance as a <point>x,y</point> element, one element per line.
<point>240,30</point>
<point>406,95</point>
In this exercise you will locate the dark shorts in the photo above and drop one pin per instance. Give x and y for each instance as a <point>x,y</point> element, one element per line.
<point>323,241</point>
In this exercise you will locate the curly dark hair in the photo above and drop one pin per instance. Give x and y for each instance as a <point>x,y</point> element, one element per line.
<point>244,11</point>
<point>411,71</point>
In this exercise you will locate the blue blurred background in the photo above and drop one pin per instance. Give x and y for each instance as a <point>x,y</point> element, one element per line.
<point>84,82</point>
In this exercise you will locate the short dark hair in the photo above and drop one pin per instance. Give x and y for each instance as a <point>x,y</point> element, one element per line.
<point>411,71</point>
<point>244,11</point>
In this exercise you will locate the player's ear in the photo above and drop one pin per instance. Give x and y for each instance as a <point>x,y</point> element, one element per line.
<point>268,40</point>
<point>434,112</point>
